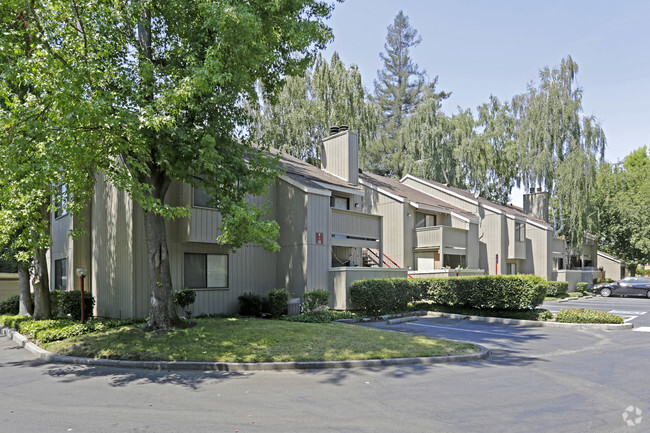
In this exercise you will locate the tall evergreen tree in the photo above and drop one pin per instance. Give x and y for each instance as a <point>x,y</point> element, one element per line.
<point>399,89</point>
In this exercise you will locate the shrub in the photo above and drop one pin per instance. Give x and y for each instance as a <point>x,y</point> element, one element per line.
<point>583,315</point>
<point>324,316</point>
<point>70,304</point>
<point>10,306</point>
<point>250,304</point>
<point>607,280</point>
<point>184,298</point>
<point>582,287</point>
<point>53,330</point>
<point>557,288</point>
<point>506,292</point>
<point>383,295</point>
<point>575,294</point>
<point>279,300</point>
<point>316,300</point>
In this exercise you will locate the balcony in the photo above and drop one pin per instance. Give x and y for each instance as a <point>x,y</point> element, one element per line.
<point>448,240</point>
<point>355,229</point>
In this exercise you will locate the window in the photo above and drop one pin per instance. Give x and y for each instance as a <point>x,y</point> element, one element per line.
<point>61,201</point>
<point>61,274</point>
<point>425,220</point>
<point>201,198</point>
<point>512,268</point>
<point>339,202</point>
<point>558,263</point>
<point>520,232</point>
<point>206,271</point>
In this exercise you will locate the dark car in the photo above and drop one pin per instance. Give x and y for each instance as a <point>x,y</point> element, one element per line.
<point>631,286</point>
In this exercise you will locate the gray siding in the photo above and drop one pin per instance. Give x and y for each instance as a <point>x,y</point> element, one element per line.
<point>112,259</point>
<point>340,156</point>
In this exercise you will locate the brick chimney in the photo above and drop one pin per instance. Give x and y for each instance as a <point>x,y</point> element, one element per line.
<point>340,154</point>
<point>536,204</point>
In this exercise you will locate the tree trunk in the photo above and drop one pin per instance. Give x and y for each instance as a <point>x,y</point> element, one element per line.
<point>26,304</point>
<point>41,284</point>
<point>163,310</point>
<point>41,281</point>
<point>631,269</point>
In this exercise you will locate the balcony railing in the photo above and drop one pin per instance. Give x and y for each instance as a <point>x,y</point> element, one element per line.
<point>350,227</point>
<point>442,238</point>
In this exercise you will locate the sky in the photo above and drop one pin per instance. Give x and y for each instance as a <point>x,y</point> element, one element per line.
<point>482,48</point>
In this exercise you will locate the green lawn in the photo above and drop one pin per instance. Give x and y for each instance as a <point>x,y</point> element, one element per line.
<point>255,340</point>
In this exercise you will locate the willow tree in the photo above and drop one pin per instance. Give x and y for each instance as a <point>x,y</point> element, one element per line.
<point>559,146</point>
<point>165,85</point>
<point>328,94</point>
<point>489,157</point>
<point>431,141</point>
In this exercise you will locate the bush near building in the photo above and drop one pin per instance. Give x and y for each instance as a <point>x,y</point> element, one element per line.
<point>503,292</point>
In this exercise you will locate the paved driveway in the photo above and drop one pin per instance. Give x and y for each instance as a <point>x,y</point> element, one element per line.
<point>537,380</point>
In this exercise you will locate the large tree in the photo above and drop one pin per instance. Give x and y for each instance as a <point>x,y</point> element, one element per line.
<point>559,146</point>
<point>39,153</point>
<point>399,89</point>
<point>328,94</point>
<point>621,208</point>
<point>165,84</point>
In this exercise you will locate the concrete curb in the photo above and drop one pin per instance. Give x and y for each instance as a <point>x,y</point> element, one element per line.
<point>575,298</point>
<point>44,355</point>
<point>534,323</point>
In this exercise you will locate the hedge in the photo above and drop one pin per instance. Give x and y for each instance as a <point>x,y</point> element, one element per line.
<point>583,315</point>
<point>504,292</point>
<point>557,288</point>
<point>582,287</point>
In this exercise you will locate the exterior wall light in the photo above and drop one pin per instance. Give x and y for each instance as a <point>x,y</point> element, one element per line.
<point>81,273</point>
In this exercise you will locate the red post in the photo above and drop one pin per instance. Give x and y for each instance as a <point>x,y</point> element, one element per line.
<point>83,312</point>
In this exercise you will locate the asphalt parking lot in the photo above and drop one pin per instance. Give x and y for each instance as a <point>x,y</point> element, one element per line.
<point>632,310</point>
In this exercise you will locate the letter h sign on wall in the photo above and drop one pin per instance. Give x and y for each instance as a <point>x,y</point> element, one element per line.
<point>319,238</point>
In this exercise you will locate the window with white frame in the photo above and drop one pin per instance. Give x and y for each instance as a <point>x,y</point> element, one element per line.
<point>520,232</point>
<point>512,268</point>
<point>61,274</point>
<point>205,271</point>
<point>61,201</point>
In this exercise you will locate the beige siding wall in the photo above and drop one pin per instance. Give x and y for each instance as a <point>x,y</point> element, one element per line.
<point>472,246</point>
<point>493,241</point>
<point>318,259</point>
<point>397,227</point>
<point>539,256</point>
<point>8,285</point>
<point>291,215</point>
<point>612,268</point>
<point>340,156</point>
<point>112,264</point>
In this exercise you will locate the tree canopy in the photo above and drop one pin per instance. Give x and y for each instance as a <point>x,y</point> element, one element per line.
<point>622,210</point>
<point>163,86</point>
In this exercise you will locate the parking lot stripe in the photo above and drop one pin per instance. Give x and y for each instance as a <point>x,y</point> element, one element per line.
<point>466,330</point>
<point>642,329</point>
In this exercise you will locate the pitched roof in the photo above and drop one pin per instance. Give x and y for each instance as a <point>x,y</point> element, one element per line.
<point>509,209</point>
<point>309,175</point>
<point>412,194</point>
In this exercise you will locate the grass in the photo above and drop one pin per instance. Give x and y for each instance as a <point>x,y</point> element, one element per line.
<point>255,340</point>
